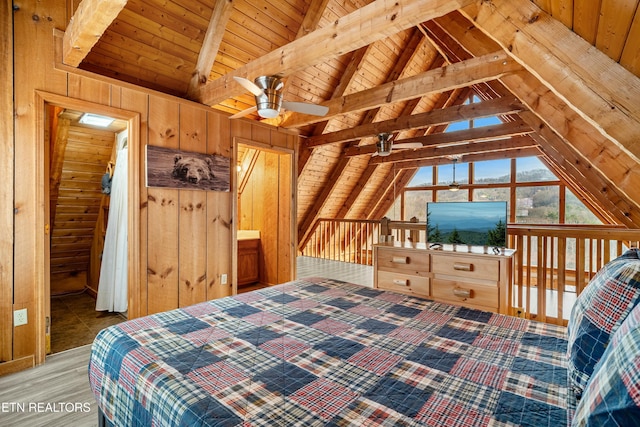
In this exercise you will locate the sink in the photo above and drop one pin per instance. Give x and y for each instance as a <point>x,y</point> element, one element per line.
<point>248,234</point>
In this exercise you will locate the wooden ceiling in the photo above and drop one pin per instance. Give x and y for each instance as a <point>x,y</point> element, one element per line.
<point>562,75</point>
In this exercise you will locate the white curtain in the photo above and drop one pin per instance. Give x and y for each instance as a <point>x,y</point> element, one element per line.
<point>112,287</point>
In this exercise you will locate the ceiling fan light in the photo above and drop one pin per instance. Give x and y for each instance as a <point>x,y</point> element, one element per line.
<point>268,113</point>
<point>269,101</point>
<point>384,145</point>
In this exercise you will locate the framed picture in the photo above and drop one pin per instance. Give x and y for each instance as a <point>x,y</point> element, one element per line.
<point>167,167</point>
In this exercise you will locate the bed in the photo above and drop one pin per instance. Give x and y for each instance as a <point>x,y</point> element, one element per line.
<point>320,352</point>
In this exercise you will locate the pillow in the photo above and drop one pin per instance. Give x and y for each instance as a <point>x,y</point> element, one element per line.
<point>598,312</point>
<point>612,396</point>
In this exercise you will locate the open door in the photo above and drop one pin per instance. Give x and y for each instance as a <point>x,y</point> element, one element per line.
<point>265,212</point>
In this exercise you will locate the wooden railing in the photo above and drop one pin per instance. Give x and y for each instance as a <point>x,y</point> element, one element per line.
<point>561,259</point>
<point>343,240</point>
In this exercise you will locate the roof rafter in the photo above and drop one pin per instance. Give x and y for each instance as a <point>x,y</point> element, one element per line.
<point>87,25</point>
<point>495,107</point>
<point>458,150</point>
<point>461,74</point>
<point>362,27</point>
<point>213,37</point>
<point>484,133</point>
<point>602,92</point>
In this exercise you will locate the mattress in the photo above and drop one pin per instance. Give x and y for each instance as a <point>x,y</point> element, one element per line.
<point>320,352</point>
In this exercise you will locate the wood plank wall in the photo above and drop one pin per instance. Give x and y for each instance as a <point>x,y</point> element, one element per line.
<point>6,170</point>
<point>185,237</point>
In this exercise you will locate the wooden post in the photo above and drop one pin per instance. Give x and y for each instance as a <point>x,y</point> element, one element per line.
<point>385,230</point>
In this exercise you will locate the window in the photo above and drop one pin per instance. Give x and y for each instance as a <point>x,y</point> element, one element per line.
<point>535,189</point>
<point>445,173</point>
<point>415,204</point>
<point>492,171</point>
<point>576,212</point>
<point>422,178</point>
<point>452,196</point>
<point>537,205</point>
<point>531,169</point>
<point>491,194</point>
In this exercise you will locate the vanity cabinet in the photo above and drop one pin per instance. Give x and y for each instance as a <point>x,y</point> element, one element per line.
<point>248,261</point>
<point>468,276</point>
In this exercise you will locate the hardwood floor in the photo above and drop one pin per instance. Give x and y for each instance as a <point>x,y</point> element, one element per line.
<point>56,393</point>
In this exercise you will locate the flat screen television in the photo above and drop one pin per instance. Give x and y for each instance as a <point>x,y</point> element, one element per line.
<point>468,223</point>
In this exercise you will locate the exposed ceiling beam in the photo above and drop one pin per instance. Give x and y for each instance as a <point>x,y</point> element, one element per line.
<point>213,37</point>
<point>87,25</point>
<point>375,21</point>
<point>474,157</point>
<point>448,77</point>
<point>458,150</point>
<point>494,107</point>
<point>602,92</point>
<point>457,137</point>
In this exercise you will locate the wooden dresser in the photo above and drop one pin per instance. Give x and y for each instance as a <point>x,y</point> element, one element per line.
<point>462,275</point>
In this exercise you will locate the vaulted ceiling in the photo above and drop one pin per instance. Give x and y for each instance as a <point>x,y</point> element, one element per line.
<point>562,75</point>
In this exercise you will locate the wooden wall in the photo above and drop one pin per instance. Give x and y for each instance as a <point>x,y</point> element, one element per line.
<point>6,180</point>
<point>185,237</point>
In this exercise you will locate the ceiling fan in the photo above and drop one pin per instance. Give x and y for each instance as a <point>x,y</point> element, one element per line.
<point>268,93</point>
<point>385,145</point>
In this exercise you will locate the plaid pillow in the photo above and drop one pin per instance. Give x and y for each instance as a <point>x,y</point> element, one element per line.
<point>597,314</point>
<point>612,396</point>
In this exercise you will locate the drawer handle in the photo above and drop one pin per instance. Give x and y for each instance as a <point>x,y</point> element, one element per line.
<point>460,266</point>
<point>401,282</point>
<point>462,293</point>
<point>400,260</point>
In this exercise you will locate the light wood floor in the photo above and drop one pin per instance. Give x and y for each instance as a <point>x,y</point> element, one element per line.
<point>63,378</point>
<point>61,384</point>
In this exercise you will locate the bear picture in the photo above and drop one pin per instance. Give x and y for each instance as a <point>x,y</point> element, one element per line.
<point>171,168</point>
<point>192,169</point>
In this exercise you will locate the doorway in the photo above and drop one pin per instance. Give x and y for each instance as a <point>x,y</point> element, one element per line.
<point>265,212</point>
<point>75,158</point>
<point>85,151</point>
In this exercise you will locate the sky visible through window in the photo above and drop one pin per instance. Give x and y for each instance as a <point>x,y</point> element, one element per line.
<point>483,170</point>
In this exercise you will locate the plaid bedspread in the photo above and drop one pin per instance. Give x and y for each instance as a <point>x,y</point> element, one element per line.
<point>319,352</point>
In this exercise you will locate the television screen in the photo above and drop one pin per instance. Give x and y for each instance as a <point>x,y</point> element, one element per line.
<point>469,223</point>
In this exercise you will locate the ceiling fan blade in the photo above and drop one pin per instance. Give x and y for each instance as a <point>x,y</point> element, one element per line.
<point>244,112</point>
<point>408,145</point>
<point>306,108</point>
<point>249,85</point>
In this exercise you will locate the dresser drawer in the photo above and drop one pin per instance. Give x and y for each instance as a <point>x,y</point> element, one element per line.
<point>405,261</point>
<point>465,293</point>
<point>403,283</point>
<point>467,267</point>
